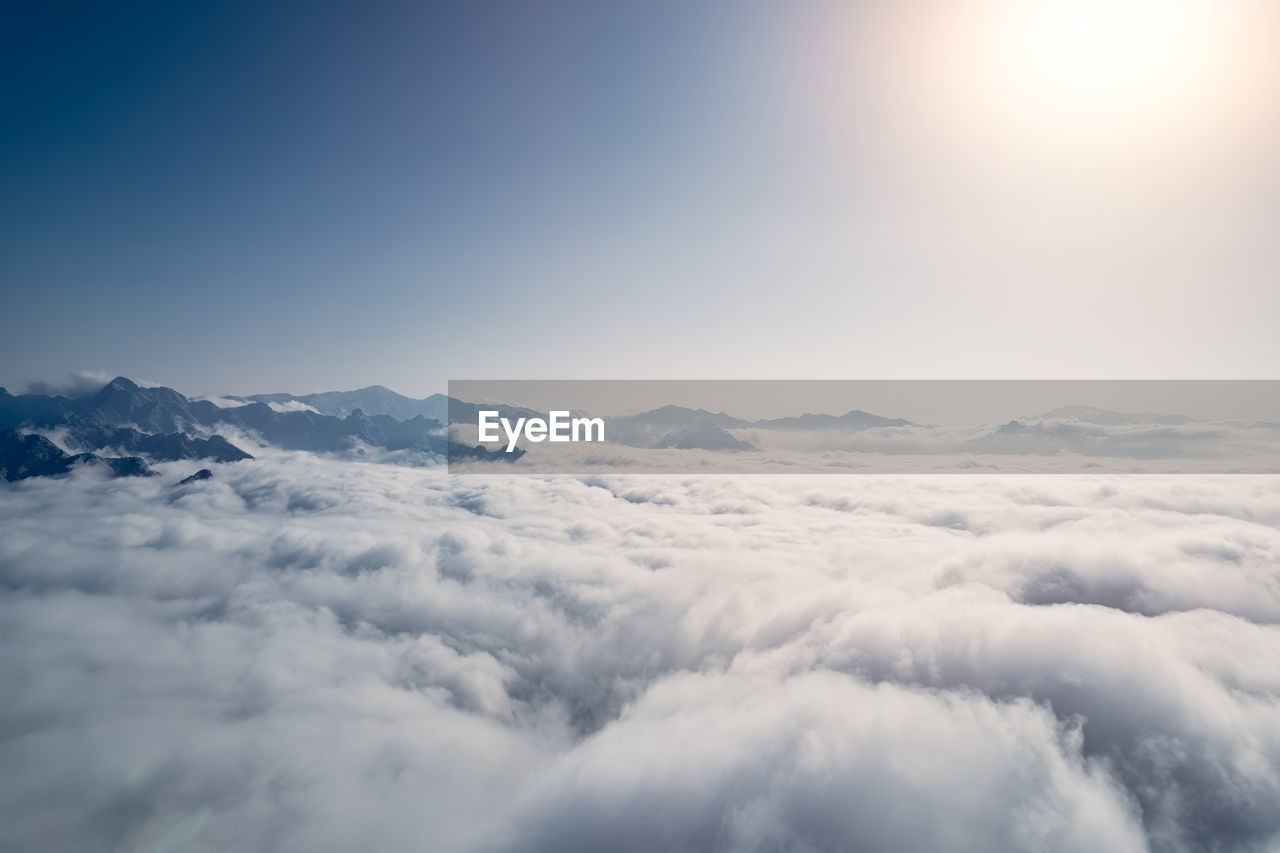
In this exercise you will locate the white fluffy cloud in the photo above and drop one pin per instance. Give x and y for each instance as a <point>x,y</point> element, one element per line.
<point>308,654</point>
<point>79,383</point>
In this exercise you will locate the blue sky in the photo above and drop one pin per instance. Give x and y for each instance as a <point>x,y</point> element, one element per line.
<point>241,197</point>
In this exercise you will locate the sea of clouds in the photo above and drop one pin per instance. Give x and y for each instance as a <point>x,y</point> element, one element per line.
<point>316,654</point>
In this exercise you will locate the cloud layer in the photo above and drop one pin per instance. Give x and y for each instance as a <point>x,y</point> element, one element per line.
<point>308,654</point>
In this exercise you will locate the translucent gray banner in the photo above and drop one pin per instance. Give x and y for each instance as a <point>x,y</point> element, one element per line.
<point>863,426</point>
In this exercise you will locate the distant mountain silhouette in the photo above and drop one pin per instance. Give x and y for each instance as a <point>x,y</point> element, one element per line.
<point>702,437</point>
<point>24,456</point>
<point>680,416</point>
<point>850,422</point>
<point>1106,417</point>
<point>202,474</point>
<point>1139,440</point>
<point>374,400</point>
<point>679,428</point>
<point>683,428</point>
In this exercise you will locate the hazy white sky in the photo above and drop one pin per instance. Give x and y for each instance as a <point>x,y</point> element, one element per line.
<point>941,402</point>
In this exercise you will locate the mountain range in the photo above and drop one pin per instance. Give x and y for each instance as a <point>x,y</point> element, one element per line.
<point>160,424</point>
<point>686,429</point>
<point>123,426</point>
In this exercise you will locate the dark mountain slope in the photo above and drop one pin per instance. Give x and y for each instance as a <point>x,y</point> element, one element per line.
<point>165,424</point>
<point>167,447</point>
<point>24,456</point>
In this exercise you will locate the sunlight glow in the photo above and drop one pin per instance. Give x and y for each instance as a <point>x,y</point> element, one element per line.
<point>1105,55</point>
<point>1071,75</point>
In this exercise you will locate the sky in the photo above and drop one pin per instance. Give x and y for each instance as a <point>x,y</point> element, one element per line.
<point>938,402</point>
<point>241,198</point>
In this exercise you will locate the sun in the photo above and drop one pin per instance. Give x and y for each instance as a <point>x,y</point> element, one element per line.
<point>1146,88</point>
<point>1104,55</point>
<point>1078,75</point>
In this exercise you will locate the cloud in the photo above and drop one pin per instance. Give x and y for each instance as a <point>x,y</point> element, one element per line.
<point>285,406</point>
<point>1038,446</point>
<point>822,762</point>
<point>309,653</point>
<point>79,384</point>
<point>292,406</point>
